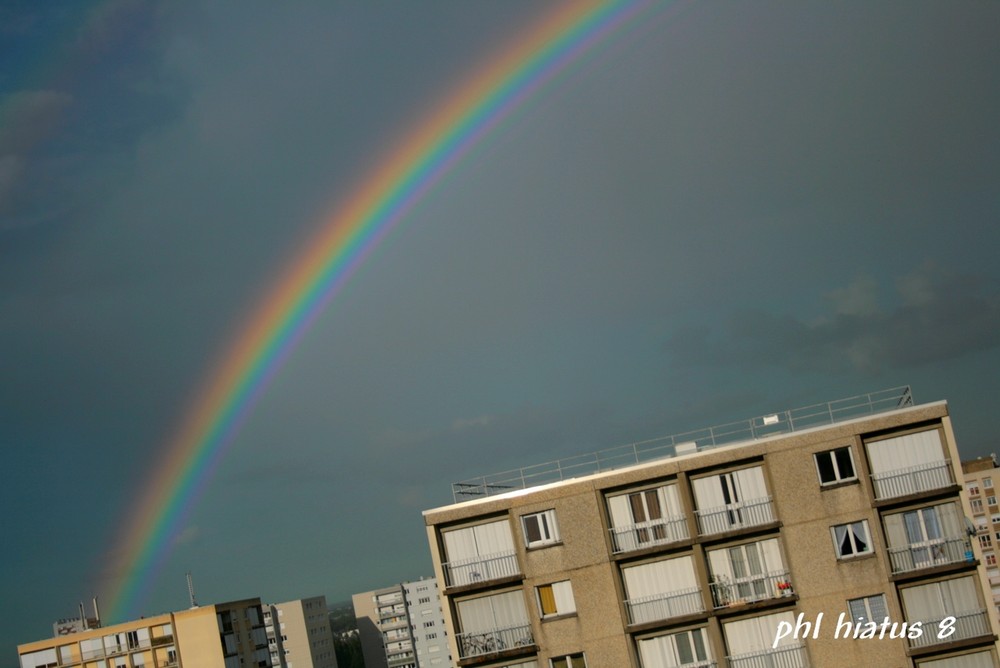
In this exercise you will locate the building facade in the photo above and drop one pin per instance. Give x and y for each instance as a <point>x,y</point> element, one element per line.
<point>833,545</point>
<point>403,626</point>
<point>980,477</point>
<point>225,635</point>
<point>299,634</point>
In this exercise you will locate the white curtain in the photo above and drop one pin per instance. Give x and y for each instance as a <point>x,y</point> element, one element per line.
<point>977,660</point>
<point>750,483</point>
<point>674,650</point>
<point>563,594</point>
<point>757,633</point>
<point>708,493</point>
<point>659,577</point>
<point>492,612</point>
<point>478,541</point>
<point>765,553</point>
<point>940,599</point>
<point>923,447</point>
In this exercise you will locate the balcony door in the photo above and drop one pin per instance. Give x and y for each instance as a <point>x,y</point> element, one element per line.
<point>723,499</point>
<point>477,553</point>
<point>924,532</point>
<point>745,572</point>
<point>648,512</point>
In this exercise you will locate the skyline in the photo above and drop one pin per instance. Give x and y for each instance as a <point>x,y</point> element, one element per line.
<point>717,214</point>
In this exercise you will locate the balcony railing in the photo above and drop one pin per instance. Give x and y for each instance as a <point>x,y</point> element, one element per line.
<point>928,554</point>
<point>494,641</point>
<point>789,656</point>
<point>647,534</point>
<point>912,480</point>
<point>735,516</point>
<point>481,569</point>
<point>729,592</point>
<point>664,606</point>
<point>972,624</point>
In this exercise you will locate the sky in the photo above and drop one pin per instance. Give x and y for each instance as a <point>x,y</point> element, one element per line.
<point>720,211</point>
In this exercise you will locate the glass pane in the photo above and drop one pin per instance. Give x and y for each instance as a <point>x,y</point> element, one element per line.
<point>844,464</point>
<point>531,529</point>
<point>825,465</point>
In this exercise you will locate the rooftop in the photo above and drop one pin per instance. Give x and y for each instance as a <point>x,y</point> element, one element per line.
<point>663,447</point>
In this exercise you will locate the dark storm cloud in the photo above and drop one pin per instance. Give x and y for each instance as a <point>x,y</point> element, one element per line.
<point>934,316</point>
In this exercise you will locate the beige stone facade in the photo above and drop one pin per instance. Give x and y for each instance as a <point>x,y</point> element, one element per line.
<point>707,558</point>
<point>225,635</point>
<point>982,477</point>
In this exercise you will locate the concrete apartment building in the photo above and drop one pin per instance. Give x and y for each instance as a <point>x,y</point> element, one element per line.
<point>299,634</point>
<point>403,626</point>
<point>225,635</point>
<point>981,475</point>
<point>719,547</point>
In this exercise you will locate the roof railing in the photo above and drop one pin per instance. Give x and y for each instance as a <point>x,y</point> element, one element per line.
<point>664,447</point>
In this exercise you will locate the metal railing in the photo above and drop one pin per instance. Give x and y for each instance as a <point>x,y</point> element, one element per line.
<point>912,480</point>
<point>664,606</point>
<point>784,422</point>
<point>971,624</point>
<point>735,516</point>
<point>729,592</point>
<point>928,554</point>
<point>631,537</point>
<point>481,569</point>
<point>789,656</point>
<point>494,641</point>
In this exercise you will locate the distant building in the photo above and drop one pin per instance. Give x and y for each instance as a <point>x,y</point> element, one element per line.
<point>707,550</point>
<point>299,635</point>
<point>225,635</point>
<point>982,477</point>
<point>403,626</point>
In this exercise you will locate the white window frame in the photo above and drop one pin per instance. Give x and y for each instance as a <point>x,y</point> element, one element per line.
<point>869,615</point>
<point>837,477</point>
<point>568,659</point>
<point>548,529</point>
<point>851,532</point>
<point>562,595</point>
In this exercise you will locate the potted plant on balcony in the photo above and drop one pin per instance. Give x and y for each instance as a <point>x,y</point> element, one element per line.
<point>785,588</point>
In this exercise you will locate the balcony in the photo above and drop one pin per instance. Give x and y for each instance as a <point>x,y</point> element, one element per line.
<point>789,656</point>
<point>733,516</point>
<point>664,606</point>
<point>663,531</point>
<point>912,480</point>
<point>485,568</point>
<point>733,592</point>
<point>929,554</point>
<point>483,643</point>
<point>972,624</point>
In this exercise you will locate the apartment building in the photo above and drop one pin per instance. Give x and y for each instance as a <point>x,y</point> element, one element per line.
<point>299,634</point>
<point>224,635</point>
<point>832,535</point>
<point>980,475</point>
<point>403,626</point>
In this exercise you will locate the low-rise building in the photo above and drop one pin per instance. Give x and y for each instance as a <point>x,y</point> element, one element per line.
<point>224,635</point>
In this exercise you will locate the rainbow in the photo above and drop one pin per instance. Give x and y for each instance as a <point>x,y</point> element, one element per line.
<point>315,277</point>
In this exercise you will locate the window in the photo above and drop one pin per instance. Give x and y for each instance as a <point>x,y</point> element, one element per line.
<point>868,609</point>
<point>675,650</point>
<point>973,489</point>
<point>991,559</point>
<point>835,466</point>
<point>540,528</point>
<point>988,483</point>
<point>909,464</point>
<point>932,602</point>
<point>749,639</point>
<point>851,540</point>
<point>991,500</point>
<point>985,541</point>
<point>977,506</point>
<point>555,599</point>
<point>926,537</point>
<point>479,553</point>
<point>571,661</point>
<point>747,572</point>
<point>732,500</point>
<point>647,517</point>
<point>974,660</point>
<point>661,589</point>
